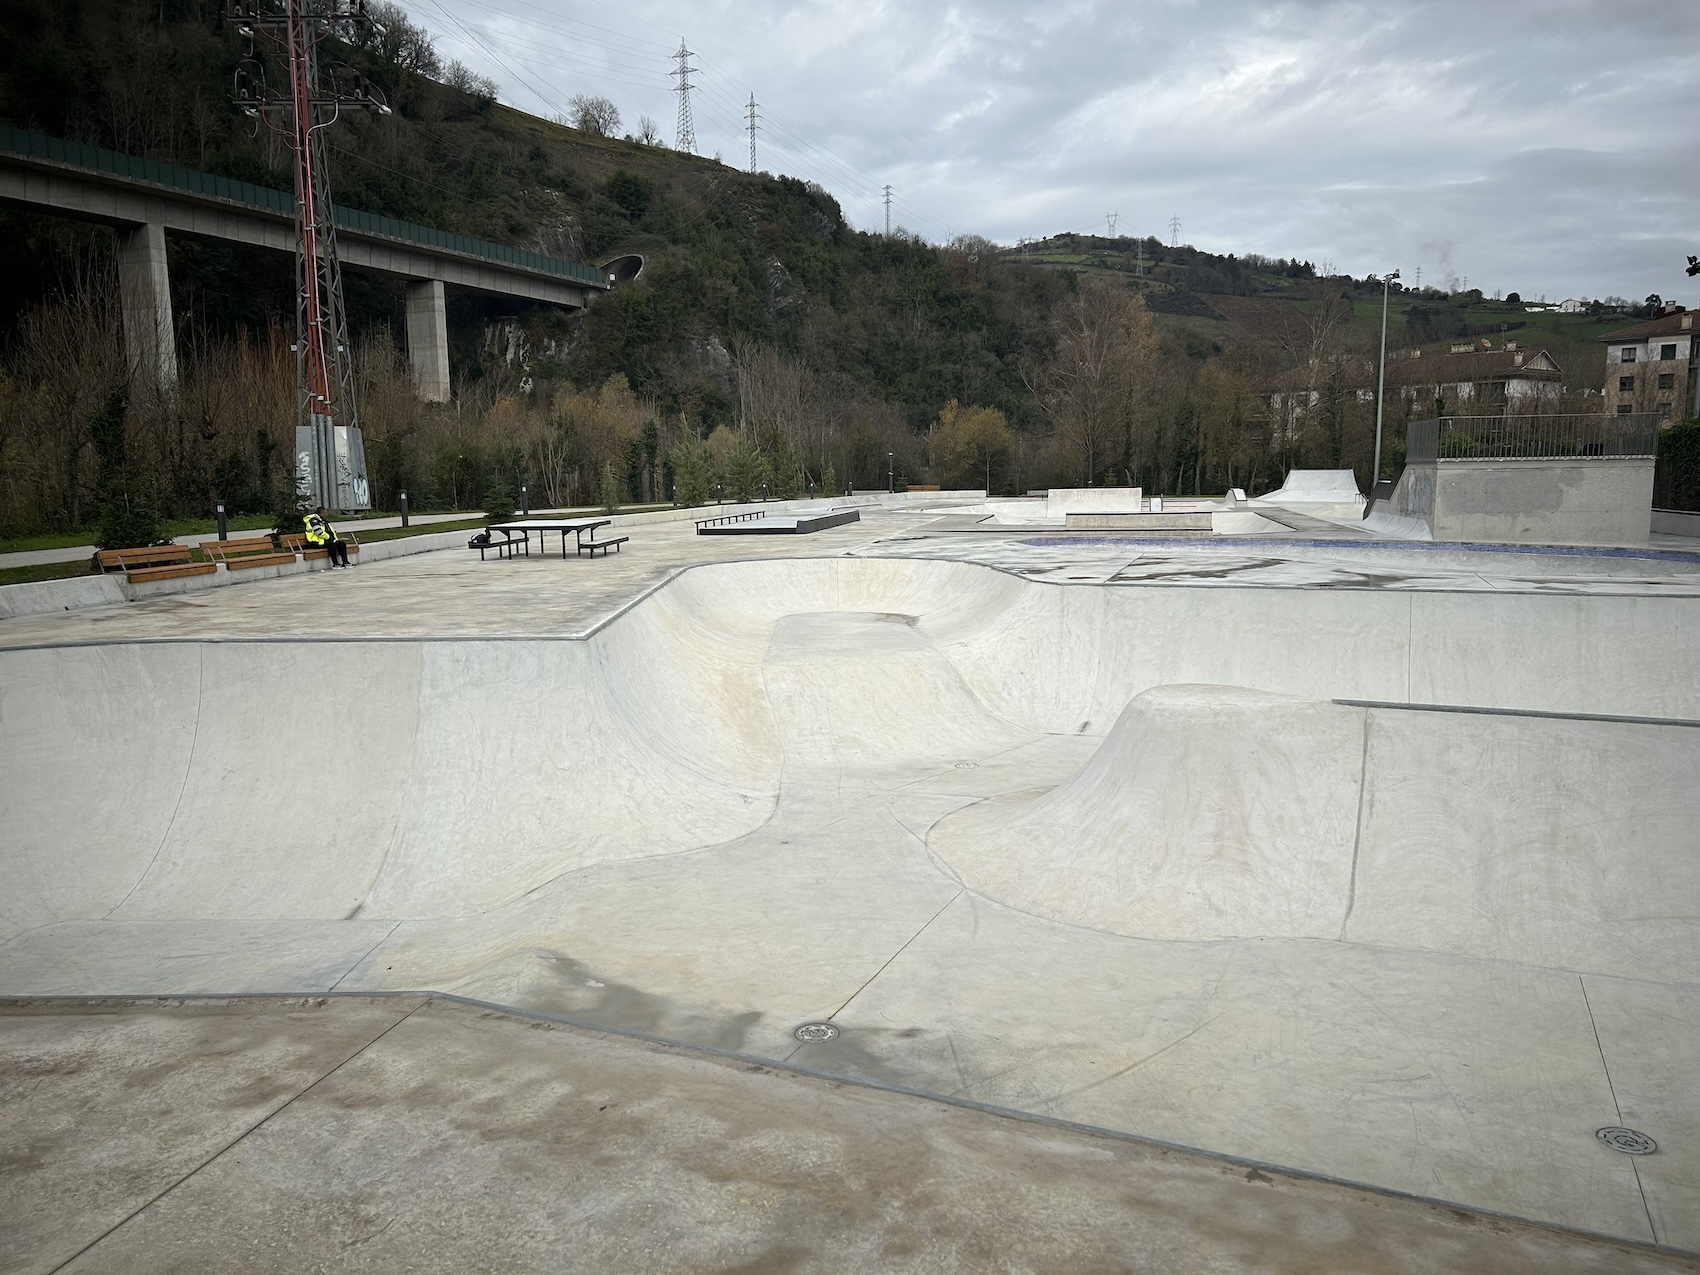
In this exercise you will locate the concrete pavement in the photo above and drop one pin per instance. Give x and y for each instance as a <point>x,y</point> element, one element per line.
<point>419,1134</point>
<point>1072,830</point>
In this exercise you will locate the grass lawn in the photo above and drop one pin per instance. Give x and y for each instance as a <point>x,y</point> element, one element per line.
<point>401,533</point>
<point>43,571</point>
<point>168,530</point>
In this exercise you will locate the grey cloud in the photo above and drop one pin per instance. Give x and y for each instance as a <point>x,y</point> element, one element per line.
<point>1552,147</point>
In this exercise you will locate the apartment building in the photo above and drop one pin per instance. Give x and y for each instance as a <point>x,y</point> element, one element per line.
<point>1651,366</point>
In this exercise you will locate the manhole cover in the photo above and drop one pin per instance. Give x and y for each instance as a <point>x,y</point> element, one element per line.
<point>816,1033</point>
<point>1628,1141</point>
<point>968,765</point>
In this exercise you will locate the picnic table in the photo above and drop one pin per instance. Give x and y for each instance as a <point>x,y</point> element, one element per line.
<point>517,535</point>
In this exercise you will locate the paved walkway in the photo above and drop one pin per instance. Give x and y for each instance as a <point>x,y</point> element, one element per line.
<point>78,553</point>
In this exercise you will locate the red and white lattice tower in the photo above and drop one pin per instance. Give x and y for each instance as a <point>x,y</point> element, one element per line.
<point>330,454</point>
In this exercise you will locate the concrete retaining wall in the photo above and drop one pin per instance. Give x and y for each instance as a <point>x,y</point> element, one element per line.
<point>1674,522</point>
<point>1577,501</point>
<point>71,594</point>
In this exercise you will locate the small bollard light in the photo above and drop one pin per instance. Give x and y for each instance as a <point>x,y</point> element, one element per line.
<point>223,527</point>
<point>524,501</point>
<point>764,492</point>
<point>719,491</point>
<point>404,509</point>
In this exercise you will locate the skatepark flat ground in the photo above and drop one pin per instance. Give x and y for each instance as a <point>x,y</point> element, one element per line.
<point>419,1134</point>
<point>1176,841</point>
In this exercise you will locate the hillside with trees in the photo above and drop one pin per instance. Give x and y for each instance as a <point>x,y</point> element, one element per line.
<point>765,342</point>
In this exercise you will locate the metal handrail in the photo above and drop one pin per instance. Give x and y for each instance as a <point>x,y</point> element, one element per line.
<point>743,517</point>
<point>1579,436</point>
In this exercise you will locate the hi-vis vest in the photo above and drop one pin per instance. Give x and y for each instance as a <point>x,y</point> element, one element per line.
<point>318,530</point>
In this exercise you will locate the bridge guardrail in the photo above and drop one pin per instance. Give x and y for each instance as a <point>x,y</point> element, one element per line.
<point>280,202</point>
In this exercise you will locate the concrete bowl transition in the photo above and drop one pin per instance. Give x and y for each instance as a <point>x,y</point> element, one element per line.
<point>1395,888</point>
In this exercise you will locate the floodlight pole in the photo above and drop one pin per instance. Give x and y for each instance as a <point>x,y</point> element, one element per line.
<point>1381,384</point>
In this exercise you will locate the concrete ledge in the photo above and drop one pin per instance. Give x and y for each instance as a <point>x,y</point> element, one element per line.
<point>1676,522</point>
<point>1138,522</point>
<point>70,594</point>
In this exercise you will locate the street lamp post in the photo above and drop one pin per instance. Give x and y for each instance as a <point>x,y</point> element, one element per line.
<point>1381,383</point>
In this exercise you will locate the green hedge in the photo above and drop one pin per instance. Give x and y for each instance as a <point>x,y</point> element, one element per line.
<point>1676,480</point>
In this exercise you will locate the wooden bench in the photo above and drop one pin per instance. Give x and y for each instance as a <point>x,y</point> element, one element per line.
<point>155,562</point>
<point>592,545</point>
<point>237,555</point>
<point>298,543</point>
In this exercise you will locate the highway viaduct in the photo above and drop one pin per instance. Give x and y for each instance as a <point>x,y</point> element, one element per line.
<point>142,199</point>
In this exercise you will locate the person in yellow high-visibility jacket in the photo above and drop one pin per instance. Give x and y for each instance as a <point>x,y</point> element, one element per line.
<point>322,534</point>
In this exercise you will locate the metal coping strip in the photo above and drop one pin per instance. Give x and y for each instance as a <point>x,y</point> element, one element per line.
<point>1518,712</point>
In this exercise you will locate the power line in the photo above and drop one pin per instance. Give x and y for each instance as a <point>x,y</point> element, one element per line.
<point>536,92</point>
<point>727,113</point>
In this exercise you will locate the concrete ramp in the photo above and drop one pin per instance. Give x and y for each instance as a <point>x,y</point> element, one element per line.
<point>1217,812</point>
<point>1323,493</point>
<point>1062,501</point>
<point>1208,812</point>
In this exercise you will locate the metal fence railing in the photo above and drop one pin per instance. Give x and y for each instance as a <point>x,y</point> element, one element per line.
<point>1531,437</point>
<point>133,167</point>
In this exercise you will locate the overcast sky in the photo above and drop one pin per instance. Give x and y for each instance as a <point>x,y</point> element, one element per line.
<point>1551,147</point>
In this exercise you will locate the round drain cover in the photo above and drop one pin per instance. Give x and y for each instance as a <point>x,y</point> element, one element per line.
<point>1628,1141</point>
<point>816,1033</point>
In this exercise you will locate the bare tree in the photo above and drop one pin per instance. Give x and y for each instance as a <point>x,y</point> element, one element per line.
<point>594,115</point>
<point>399,42</point>
<point>1092,389</point>
<point>462,77</point>
<point>649,132</point>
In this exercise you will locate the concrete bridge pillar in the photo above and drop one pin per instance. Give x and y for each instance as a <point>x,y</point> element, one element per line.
<point>144,294</point>
<point>428,339</point>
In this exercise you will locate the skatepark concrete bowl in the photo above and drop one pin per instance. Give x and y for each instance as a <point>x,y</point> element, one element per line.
<point>1394,888</point>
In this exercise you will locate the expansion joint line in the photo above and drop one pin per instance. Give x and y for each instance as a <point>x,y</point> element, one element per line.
<point>882,969</point>
<point>1357,832</point>
<point>237,1140</point>
<point>1615,1105</point>
<point>188,773</point>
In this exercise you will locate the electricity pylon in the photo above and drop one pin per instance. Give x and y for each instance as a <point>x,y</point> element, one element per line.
<point>753,126</point>
<point>888,210</point>
<point>330,456</point>
<point>685,135</point>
